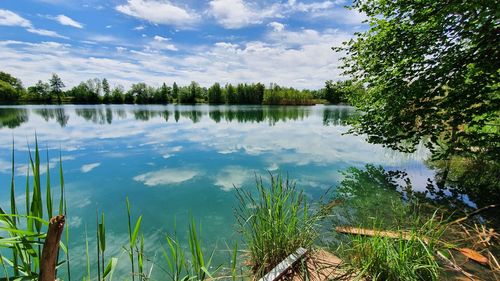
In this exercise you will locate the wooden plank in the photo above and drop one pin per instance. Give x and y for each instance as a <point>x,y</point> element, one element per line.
<point>379,233</point>
<point>284,265</point>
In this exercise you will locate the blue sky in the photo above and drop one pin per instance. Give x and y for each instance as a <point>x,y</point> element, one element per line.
<point>154,41</point>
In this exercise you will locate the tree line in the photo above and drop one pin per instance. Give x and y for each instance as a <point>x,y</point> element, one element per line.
<point>96,91</point>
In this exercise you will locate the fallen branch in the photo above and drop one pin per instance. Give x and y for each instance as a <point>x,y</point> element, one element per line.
<point>377,233</point>
<point>454,265</point>
<point>474,213</point>
<point>471,254</point>
<point>51,249</point>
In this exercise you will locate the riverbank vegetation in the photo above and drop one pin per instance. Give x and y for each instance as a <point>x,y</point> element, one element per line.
<point>386,229</point>
<point>97,91</point>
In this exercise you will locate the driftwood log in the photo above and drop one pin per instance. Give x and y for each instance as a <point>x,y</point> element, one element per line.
<point>51,249</point>
<point>471,254</point>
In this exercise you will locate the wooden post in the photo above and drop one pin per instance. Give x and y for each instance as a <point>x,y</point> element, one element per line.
<point>51,249</point>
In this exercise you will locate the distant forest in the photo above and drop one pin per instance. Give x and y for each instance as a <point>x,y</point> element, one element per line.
<point>96,91</point>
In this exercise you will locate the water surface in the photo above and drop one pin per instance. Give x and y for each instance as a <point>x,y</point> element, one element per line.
<point>177,161</point>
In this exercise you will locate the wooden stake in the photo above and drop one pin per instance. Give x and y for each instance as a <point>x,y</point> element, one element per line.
<point>51,248</point>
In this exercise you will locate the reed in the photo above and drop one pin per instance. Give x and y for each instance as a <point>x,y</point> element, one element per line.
<point>197,267</point>
<point>274,221</point>
<point>25,232</point>
<point>133,234</point>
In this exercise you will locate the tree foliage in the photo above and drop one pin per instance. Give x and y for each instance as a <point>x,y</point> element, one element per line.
<point>342,91</point>
<point>432,73</point>
<point>39,92</point>
<point>215,94</point>
<point>277,95</point>
<point>56,86</point>
<point>11,88</point>
<point>7,92</point>
<point>107,91</point>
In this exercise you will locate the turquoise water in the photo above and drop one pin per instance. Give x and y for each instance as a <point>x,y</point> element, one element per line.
<point>176,161</point>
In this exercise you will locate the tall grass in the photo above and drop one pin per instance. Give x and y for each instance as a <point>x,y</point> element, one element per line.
<point>24,233</point>
<point>409,257</point>
<point>192,265</point>
<point>133,234</point>
<point>274,221</point>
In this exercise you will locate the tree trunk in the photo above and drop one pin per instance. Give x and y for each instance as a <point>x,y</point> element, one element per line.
<point>51,249</point>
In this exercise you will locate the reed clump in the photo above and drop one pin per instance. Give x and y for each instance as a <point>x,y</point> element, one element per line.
<point>275,220</point>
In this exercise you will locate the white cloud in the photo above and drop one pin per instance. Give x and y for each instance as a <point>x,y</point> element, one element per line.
<point>312,7</point>
<point>333,11</point>
<point>277,26</point>
<point>45,32</point>
<point>308,52</point>
<point>166,176</point>
<point>9,18</point>
<point>232,176</point>
<point>159,12</point>
<point>226,45</point>
<point>74,221</point>
<point>160,43</point>
<point>169,152</point>
<point>110,39</point>
<point>341,16</point>
<point>140,27</point>
<point>89,167</point>
<point>65,20</point>
<point>233,14</point>
<point>160,39</point>
<point>273,167</point>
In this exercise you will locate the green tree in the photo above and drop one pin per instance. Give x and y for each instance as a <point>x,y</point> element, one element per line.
<point>175,91</point>
<point>259,89</point>
<point>162,94</point>
<point>117,95</point>
<point>332,95</point>
<point>107,91</point>
<point>81,93</point>
<point>7,92</point>
<point>231,96</point>
<point>215,94</point>
<point>13,81</point>
<point>39,92</point>
<point>194,91</point>
<point>141,92</point>
<point>129,97</point>
<point>432,74</point>
<point>188,94</point>
<point>56,86</point>
<point>11,88</point>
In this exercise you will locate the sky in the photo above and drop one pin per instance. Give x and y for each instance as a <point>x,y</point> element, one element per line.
<point>155,41</point>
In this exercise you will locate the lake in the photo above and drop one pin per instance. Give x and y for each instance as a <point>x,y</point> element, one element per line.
<point>173,162</point>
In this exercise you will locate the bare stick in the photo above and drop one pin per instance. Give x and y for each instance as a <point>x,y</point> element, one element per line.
<point>51,249</point>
